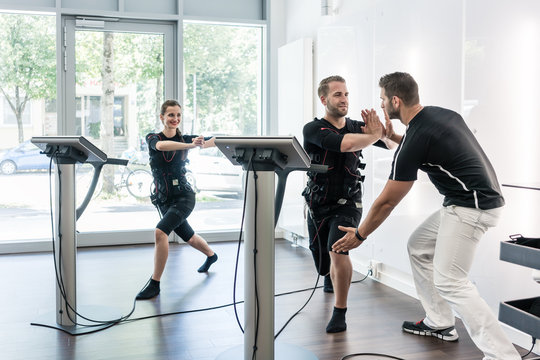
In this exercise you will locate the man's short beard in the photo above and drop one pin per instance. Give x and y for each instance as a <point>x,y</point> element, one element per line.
<point>335,111</point>
<point>392,113</point>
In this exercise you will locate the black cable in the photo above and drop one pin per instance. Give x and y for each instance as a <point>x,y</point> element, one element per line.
<point>530,351</point>
<point>370,354</point>
<point>257,307</point>
<point>319,286</point>
<point>369,272</point>
<point>129,320</point>
<point>224,305</point>
<point>58,264</point>
<point>298,312</point>
<point>316,282</point>
<point>101,323</point>
<point>239,243</point>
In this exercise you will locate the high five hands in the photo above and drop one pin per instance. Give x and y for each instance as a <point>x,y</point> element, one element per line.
<point>374,125</point>
<point>389,128</point>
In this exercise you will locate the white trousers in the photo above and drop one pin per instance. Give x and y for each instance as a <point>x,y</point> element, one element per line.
<point>441,251</point>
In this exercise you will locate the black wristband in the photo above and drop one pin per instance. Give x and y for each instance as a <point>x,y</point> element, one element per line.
<point>358,236</point>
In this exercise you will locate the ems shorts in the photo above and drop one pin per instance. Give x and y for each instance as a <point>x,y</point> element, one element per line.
<point>174,216</point>
<point>324,232</point>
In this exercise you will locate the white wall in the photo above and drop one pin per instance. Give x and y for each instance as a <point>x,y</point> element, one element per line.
<point>482,63</point>
<point>295,85</point>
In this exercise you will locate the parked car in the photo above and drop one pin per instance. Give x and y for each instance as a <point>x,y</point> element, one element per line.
<point>25,156</point>
<point>209,170</point>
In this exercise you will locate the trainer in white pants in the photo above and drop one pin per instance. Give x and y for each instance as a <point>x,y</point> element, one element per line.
<point>441,252</point>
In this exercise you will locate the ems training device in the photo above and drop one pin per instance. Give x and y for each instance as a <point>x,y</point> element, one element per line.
<point>66,151</point>
<point>261,157</point>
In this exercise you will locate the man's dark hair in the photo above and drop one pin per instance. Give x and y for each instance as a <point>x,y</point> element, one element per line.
<point>323,85</point>
<point>402,85</point>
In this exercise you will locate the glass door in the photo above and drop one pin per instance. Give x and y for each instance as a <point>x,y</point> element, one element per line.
<point>114,88</point>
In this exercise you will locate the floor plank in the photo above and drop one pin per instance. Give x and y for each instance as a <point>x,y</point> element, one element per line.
<point>112,276</point>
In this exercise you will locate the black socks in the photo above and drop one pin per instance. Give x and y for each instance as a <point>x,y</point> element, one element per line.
<point>150,290</point>
<point>328,286</point>
<point>337,322</point>
<point>152,287</point>
<point>209,261</point>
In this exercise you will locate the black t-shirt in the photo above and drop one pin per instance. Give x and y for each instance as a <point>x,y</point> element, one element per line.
<point>438,142</point>
<point>322,141</point>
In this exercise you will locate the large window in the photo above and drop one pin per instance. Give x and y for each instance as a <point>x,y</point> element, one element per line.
<point>28,108</point>
<point>222,96</point>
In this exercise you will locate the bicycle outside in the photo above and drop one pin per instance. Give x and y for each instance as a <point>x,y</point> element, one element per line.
<point>134,177</point>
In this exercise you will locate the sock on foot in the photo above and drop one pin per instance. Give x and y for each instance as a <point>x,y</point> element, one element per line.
<point>149,291</point>
<point>337,322</point>
<point>209,261</point>
<point>328,286</point>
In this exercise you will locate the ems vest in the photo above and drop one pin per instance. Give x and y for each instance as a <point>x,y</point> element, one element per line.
<point>168,168</point>
<point>342,183</point>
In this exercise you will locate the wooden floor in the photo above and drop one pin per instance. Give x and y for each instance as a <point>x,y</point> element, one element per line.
<point>112,276</point>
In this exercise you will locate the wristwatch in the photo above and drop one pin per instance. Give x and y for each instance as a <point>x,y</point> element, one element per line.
<point>358,236</point>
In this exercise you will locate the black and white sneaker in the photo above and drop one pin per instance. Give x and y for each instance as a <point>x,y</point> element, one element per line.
<point>419,328</point>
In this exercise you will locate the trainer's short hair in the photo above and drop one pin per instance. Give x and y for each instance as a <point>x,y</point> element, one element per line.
<point>402,85</point>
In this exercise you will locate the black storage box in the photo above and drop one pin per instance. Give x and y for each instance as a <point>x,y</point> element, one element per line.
<point>522,255</point>
<point>520,314</point>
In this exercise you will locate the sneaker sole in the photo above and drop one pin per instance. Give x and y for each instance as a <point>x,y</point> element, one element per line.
<point>434,334</point>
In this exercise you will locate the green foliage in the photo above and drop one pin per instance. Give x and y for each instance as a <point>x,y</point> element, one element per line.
<point>138,61</point>
<point>28,61</point>
<point>224,59</point>
<point>89,46</point>
<point>226,63</point>
<point>94,129</point>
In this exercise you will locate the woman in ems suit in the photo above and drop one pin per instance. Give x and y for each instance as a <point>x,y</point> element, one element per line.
<point>173,195</point>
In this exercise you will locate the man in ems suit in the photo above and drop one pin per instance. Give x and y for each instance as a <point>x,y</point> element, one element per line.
<point>335,198</point>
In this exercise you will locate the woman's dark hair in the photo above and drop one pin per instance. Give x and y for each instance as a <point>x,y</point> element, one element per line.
<point>402,85</point>
<point>164,107</point>
<point>168,103</point>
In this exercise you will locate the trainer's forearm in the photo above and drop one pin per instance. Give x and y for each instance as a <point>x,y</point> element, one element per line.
<point>378,212</point>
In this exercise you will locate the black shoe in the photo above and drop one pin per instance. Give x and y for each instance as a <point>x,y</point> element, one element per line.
<point>209,261</point>
<point>150,290</point>
<point>328,286</point>
<point>419,328</point>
